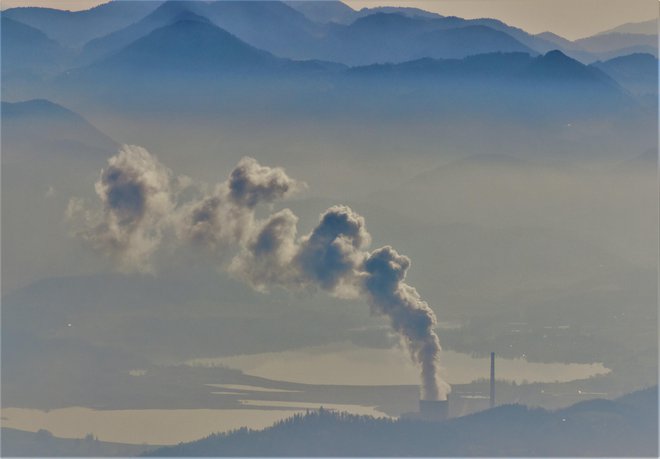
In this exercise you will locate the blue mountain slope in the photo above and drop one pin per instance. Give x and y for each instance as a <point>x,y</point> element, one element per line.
<point>165,14</point>
<point>27,51</point>
<point>75,28</point>
<point>615,41</point>
<point>649,27</point>
<point>637,73</point>
<point>190,49</point>
<point>324,11</point>
<point>329,11</point>
<point>481,66</point>
<point>42,130</point>
<point>388,37</point>
<point>192,62</point>
<point>269,25</point>
<point>552,68</point>
<point>555,66</point>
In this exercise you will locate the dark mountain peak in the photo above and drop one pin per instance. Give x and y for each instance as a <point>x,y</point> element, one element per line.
<point>557,56</point>
<point>559,67</point>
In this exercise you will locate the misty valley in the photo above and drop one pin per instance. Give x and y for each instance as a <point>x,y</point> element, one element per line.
<point>301,228</point>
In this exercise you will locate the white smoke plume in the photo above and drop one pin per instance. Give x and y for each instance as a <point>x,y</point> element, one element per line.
<point>136,195</point>
<point>138,205</point>
<point>225,217</point>
<point>267,257</point>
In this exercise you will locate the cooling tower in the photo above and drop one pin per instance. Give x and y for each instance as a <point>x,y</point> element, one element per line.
<point>434,410</point>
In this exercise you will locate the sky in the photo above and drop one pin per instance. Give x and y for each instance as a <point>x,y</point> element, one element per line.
<point>569,18</point>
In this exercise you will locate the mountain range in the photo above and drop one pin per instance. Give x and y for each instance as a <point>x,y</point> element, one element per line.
<point>122,45</point>
<point>327,30</point>
<point>157,67</point>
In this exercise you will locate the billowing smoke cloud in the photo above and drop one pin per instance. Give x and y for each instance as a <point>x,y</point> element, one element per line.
<point>330,254</point>
<point>138,204</point>
<point>225,217</point>
<point>251,184</point>
<point>409,315</point>
<point>267,257</point>
<point>136,194</point>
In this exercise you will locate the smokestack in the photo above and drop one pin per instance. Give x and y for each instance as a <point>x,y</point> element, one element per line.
<point>492,379</point>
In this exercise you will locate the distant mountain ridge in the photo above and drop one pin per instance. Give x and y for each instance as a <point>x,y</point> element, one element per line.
<point>75,28</point>
<point>27,51</point>
<point>42,130</point>
<point>649,27</point>
<point>190,46</point>
<point>637,72</point>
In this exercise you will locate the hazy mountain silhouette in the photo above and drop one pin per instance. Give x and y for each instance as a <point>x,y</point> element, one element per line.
<point>481,66</point>
<point>19,443</point>
<point>224,68</point>
<point>190,46</point>
<point>586,50</point>
<point>75,28</point>
<point>402,10</point>
<point>391,37</point>
<point>325,11</point>
<point>42,130</point>
<point>622,427</point>
<point>557,67</point>
<point>615,42</point>
<point>282,30</point>
<point>558,41</point>
<point>165,14</point>
<point>269,25</point>
<point>553,68</point>
<point>637,73</point>
<point>28,52</point>
<point>649,27</point>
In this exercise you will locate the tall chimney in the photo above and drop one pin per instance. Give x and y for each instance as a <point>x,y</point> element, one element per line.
<point>492,379</point>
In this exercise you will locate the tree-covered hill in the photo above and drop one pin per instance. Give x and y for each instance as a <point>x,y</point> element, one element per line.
<point>623,427</point>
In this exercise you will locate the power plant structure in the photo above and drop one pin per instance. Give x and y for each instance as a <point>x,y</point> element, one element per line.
<point>492,379</point>
<point>434,410</point>
<point>438,410</point>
